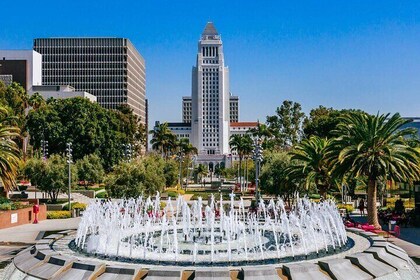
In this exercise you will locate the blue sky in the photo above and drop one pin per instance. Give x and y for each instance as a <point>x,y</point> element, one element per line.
<point>341,54</point>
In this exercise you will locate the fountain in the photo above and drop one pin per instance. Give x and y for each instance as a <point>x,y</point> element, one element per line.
<point>144,231</point>
<point>144,238</point>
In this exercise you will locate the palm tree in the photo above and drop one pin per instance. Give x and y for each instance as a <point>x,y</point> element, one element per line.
<point>247,150</point>
<point>201,171</point>
<point>9,152</point>
<point>242,144</point>
<point>311,164</point>
<point>375,147</point>
<point>184,146</point>
<point>163,140</point>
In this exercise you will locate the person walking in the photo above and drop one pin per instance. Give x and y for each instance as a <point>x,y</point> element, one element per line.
<point>362,207</point>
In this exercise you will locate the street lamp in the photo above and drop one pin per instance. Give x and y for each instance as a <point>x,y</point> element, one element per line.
<point>194,158</point>
<point>258,158</point>
<point>69,151</point>
<point>44,147</point>
<point>128,151</point>
<point>180,157</point>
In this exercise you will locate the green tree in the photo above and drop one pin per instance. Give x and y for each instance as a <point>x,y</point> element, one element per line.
<point>139,176</point>
<point>323,121</point>
<point>242,145</point>
<point>90,169</point>
<point>15,98</point>
<point>50,176</point>
<point>171,173</point>
<point>200,171</point>
<point>275,178</point>
<point>91,128</point>
<point>36,101</point>
<point>286,125</point>
<point>163,140</point>
<point>10,157</point>
<point>310,162</point>
<point>374,147</point>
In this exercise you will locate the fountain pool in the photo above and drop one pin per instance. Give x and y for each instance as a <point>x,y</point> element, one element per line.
<point>145,230</point>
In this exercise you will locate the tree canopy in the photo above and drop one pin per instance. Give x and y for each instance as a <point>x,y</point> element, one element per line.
<point>139,176</point>
<point>91,129</point>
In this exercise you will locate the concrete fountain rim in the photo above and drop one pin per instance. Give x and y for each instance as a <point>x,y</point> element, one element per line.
<point>367,245</point>
<point>61,246</point>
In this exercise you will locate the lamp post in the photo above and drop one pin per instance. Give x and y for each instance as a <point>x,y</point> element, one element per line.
<point>194,158</point>
<point>127,151</point>
<point>69,151</point>
<point>258,158</point>
<point>180,157</point>
<point>44,147</point>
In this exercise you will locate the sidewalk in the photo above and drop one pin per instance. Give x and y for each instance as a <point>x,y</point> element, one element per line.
<point>27,234</point>
<point>409,239</point>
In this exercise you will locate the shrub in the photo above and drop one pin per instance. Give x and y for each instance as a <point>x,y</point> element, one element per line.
<point>5,206</point>
<point>102,195</point>
<point>75,205</point>
<point>58,214</point>
<point>4,200</point>
<point>349,208</point>
<point>173,192</point>
<point>315,196</point>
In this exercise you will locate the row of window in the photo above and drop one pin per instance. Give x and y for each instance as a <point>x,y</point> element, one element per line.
<point>210,51</point>
<point>78,42</point>
<point>210,61</point>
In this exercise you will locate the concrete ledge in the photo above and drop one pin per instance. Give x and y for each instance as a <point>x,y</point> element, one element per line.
<point>369,264</point>
<point>28,260</point>
<point>54,266</point>
<point>382,255</point>
<point>392,251</point>
<point>367,234</point>
<point>378,239</point>
<point>222,274</point>
<point>120,272</point>
<point>79,270</point>
<point>53,236</point>
<point>162,273</point>
<point>42,246</point>
<point>304,271</point>
<point>342,269</point>
<point>269,273</point>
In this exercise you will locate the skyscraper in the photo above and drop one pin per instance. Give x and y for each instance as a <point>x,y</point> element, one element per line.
<point>109,68</point>
<point>211,114</point>
<point>210,96</point>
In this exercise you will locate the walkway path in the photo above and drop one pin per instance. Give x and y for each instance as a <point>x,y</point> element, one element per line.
<point>15,239</point>
<point>27,234</point>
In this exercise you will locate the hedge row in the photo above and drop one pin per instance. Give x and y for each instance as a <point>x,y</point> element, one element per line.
<point>58,214</point>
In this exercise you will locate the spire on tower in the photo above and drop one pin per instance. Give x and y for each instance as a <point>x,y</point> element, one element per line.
<point>210,30</point>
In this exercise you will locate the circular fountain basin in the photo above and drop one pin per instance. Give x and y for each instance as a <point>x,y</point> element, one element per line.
<point>219,233</point>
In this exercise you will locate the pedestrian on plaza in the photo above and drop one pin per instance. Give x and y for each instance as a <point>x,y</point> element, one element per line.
<point>362,207</point>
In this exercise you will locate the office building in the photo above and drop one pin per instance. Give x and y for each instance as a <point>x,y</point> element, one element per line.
<point>109,68</point>
<point>21,66</point>
<point>60,92</point>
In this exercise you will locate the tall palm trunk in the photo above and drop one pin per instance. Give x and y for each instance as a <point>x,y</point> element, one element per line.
<point>240,173</point>
<point>322,189</point>
<point>372,212</point>
<point>246,176</point>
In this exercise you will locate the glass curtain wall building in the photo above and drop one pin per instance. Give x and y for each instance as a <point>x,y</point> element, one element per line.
<point>109,68</point>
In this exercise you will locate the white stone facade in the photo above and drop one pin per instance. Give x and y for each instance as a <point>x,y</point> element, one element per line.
<point>33,75</point>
